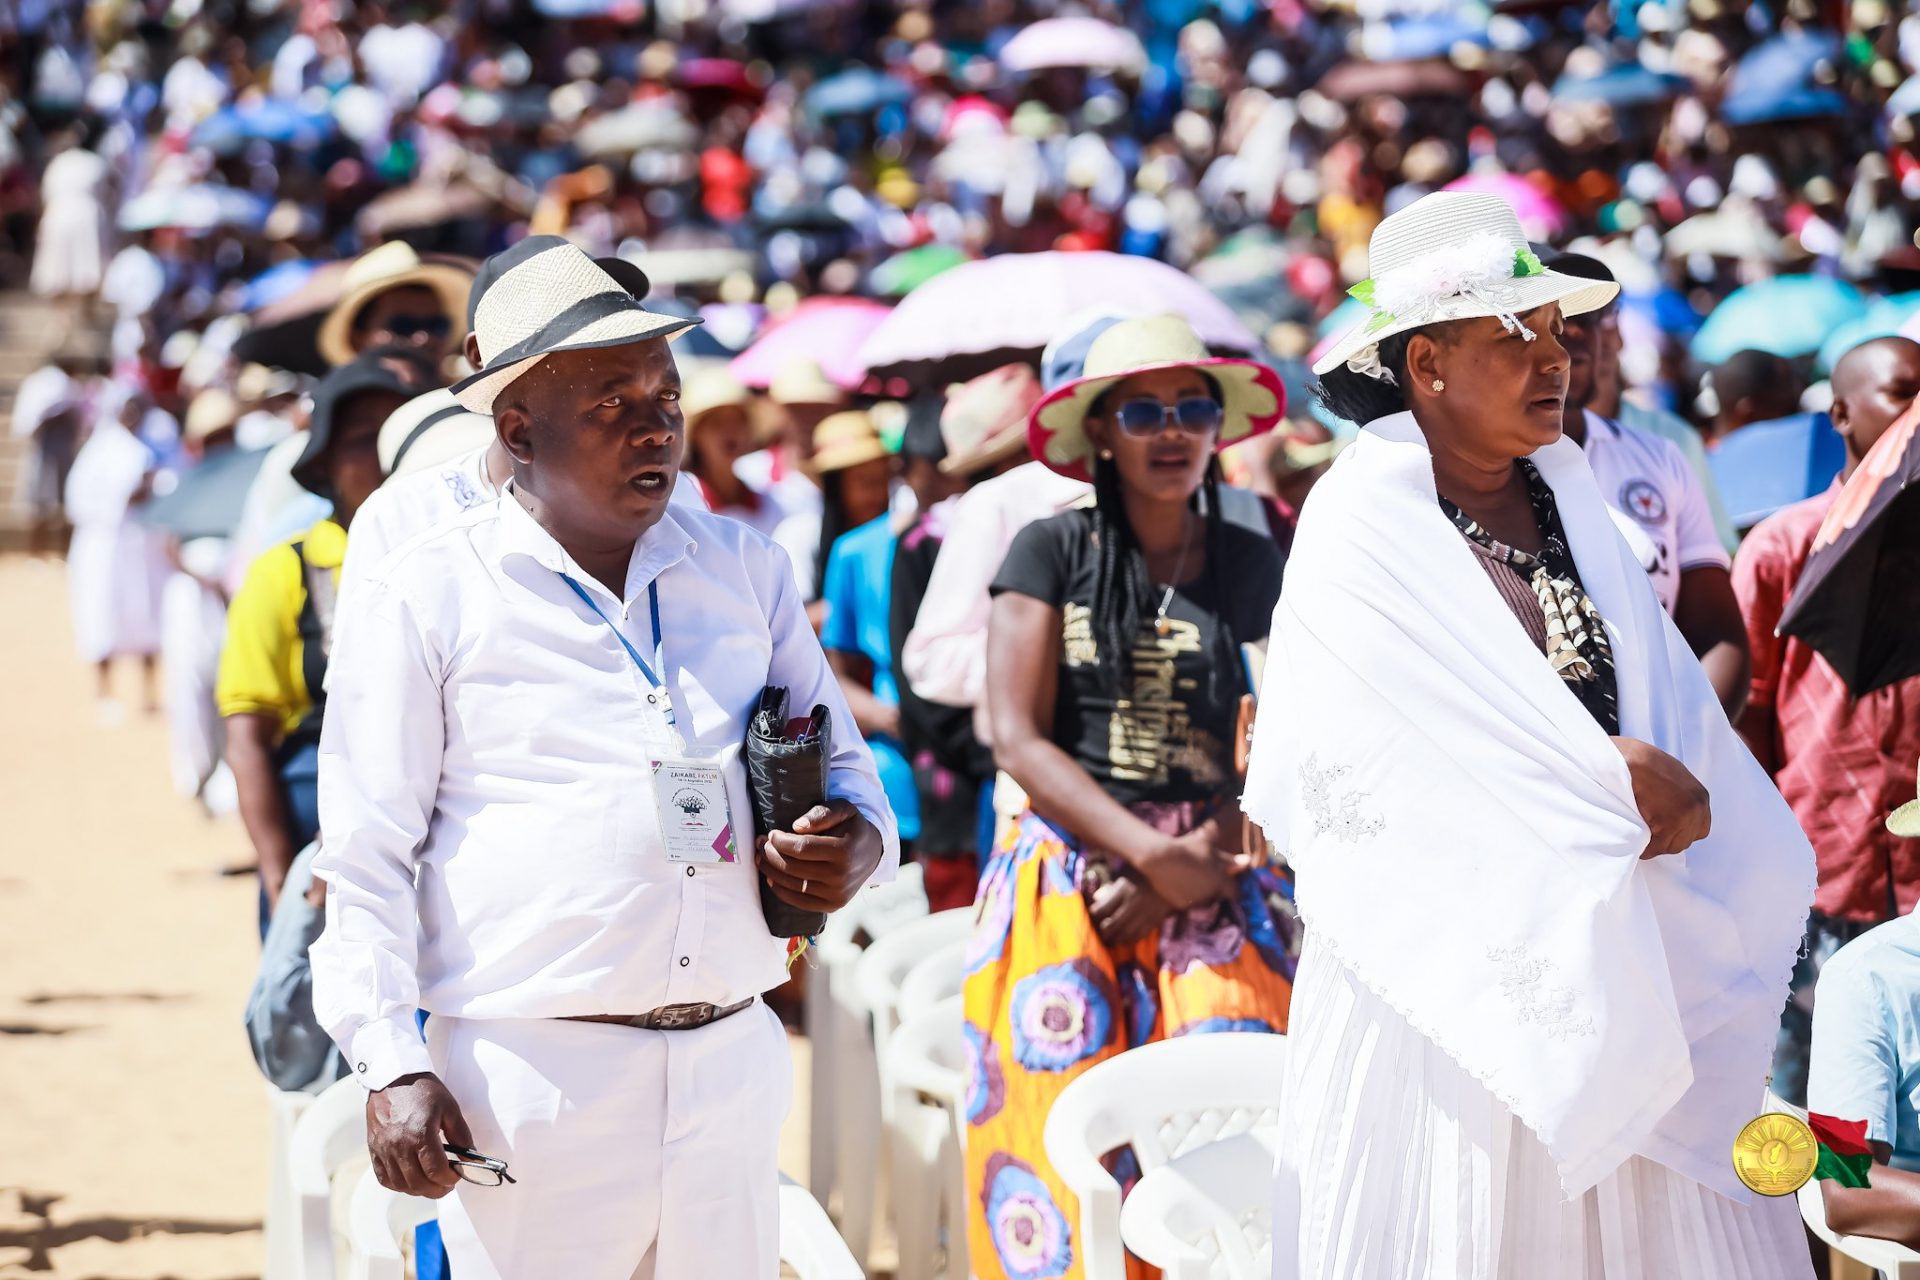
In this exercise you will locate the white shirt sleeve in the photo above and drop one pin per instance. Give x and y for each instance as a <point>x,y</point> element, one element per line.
<point>800,666</point>
<point>1697,536</point>
<point>1854,1071</point>
<point>380,756</point>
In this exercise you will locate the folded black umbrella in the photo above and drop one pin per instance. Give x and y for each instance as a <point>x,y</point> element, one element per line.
<point>787,764</point>
<point>1858,599</point>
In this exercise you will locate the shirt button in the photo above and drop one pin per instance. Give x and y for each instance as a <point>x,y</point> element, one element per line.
<point>684,962</point>
<point>361,1066</point>
<point>689,870</point>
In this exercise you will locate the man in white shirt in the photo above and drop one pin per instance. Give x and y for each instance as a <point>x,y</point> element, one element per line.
<point>1658,504</point>
<point>534,722</point>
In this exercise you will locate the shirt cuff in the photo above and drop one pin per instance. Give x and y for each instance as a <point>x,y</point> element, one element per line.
<point>384,1051</point>
<point>882,820</point>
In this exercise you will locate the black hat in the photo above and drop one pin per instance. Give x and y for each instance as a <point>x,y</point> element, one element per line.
<point>396,370</point>
<point>922,438</point>
<point>1573,264</point>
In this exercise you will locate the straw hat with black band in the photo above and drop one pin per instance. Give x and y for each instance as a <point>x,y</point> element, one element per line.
<point>1251,395</point>
<point>393,265</point>
<point>544,296</point>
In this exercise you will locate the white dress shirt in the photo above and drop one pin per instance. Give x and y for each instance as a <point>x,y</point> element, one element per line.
<point>1657,501</point>
<point>945,656</point>
<point>491,843</point>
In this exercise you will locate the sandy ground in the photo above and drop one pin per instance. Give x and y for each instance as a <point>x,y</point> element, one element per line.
<point>133,1126</point>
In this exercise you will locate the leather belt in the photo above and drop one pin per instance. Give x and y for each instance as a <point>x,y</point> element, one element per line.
<point>668,1017</point>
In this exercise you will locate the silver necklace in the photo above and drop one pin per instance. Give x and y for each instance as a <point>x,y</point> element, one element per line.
<point>1162,627</point>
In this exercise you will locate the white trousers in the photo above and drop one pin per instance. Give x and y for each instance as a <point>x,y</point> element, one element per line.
<point>640,1155</point>
<point>193,625</point>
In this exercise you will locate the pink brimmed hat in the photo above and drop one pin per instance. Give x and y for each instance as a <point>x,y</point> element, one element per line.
<point>1250,393</point>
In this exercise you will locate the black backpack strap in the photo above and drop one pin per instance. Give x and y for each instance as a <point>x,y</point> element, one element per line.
<point>316,629</point>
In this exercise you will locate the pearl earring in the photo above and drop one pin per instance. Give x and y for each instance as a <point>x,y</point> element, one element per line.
<point>1439,386</point>
<point>1106,455</point>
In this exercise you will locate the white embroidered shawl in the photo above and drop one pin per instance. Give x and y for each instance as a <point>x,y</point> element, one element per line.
<point>1466,840</point>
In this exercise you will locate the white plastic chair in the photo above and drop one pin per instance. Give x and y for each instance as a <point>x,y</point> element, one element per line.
<point>836,1020</point>
<point>1890,1258</point>
<point>936,977</point>
<point>808,1242</point>
<point>282,1228</point>
<point>1163,1100</point>
<point>926,1070</point>
<point>331,1131</point>
<point>1208,1214</point>
<point>876,979</point>
<point>379,1224</point>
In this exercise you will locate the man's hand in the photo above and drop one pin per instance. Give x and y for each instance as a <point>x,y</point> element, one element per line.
<point>824,860</point>
<point>406,1124</point>
<point>1672,802</point>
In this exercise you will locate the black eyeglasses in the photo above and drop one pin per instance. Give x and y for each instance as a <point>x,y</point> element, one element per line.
<point>481,1171</point>
<point>1196,415</point>
<point>404,326</point>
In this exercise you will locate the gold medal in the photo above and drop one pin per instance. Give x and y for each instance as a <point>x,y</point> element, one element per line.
<point>1775,1154</point>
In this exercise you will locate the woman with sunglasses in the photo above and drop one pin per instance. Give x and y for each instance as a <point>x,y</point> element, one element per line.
<point>1118,908</point>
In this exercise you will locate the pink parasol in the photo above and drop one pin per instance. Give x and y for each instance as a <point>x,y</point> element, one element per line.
<point>1541,216</point>
<point>828,331</point>
<point>1073,42</point>
<point>987,313</point>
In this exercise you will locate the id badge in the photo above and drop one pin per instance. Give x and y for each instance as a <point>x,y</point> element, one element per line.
<point>690,799</point>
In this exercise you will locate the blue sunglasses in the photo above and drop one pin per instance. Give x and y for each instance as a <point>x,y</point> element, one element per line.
<point>1196,415</point>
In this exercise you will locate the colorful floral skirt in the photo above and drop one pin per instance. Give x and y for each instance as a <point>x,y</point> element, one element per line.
<point>1046,999</point>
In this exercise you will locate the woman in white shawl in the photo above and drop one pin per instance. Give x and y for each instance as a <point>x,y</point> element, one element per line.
<point>115,564</point>
<point>1551,903</point>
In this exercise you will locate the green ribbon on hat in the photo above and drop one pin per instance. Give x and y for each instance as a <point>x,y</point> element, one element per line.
<point>1526,263</point>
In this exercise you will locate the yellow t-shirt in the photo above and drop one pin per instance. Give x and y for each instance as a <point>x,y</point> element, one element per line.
<point>260,668</point>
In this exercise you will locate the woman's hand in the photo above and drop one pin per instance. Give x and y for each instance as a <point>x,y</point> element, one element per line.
<point>1671,800</point>
<point>1191,869</point>
<point>1125,910</point>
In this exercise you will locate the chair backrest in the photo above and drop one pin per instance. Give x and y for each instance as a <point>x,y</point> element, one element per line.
<point>937,976</point>
<point>1167,1098</point>
<point>1207,1214</point>
<point>928,1053</point>
<point>328,1133</point>
<point>885,964</point>
<point>379,1223</point>
<point>879,910</point>
<point>808,1242</point>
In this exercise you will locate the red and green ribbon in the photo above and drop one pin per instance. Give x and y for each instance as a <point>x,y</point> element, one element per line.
<point>1844,1154</point>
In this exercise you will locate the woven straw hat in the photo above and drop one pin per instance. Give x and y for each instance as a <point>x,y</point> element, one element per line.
<point>707,385</point>
<point>428,430</point>
<point>393,265</point>
<point>985,420</point>
<point>1905,821</point>
<point>545,295</point>
<point>1252,396</point>
<point>212,410</point>
<point>845,440</point>
<point>1452,255</point>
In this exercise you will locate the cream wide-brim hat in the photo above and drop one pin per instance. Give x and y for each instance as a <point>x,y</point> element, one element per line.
<point>1905,821</point>
<point>391,266</point>
<point>1252,397</point>
<point>1453,255</point>
<point>844,440</point>
<point>707,385</point>
<point>549,297</point>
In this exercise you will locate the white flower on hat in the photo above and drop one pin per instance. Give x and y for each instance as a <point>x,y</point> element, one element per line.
<point>1484,267</point>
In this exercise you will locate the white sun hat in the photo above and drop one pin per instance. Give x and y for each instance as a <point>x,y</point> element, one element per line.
<point>543,296</point>
<point>1452,255</point>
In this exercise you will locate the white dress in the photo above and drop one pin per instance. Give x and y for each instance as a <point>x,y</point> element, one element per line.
<point>116,565</point>
<point>1399,1165</point>
<point>68,256</point>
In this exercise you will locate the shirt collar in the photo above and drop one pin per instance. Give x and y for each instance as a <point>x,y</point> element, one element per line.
<point>1597,423</point>
<point>656,551</point>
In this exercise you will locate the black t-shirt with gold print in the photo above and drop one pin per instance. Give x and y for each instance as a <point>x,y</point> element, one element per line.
<point>1170,736</point>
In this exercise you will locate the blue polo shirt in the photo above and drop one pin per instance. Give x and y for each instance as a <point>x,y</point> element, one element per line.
<point>1865,1062</point>
<point>857,588</point>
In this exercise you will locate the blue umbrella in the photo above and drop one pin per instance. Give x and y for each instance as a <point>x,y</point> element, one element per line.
<point>857,91</point>
<point>197,208</point>
<point>275,283</point>
<point>268,120</point>
<point>1341,318</point>
<point>1776,80</point>
<point>1628,85</point>
<point>1413,38</point>
<point>1788,316</point>
<point>1883,320</point>
<point>1770,465</point>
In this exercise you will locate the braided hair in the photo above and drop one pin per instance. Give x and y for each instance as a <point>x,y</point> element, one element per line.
<point>1123,596</point>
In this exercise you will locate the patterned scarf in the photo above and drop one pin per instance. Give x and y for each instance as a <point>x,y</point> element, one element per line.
<point>1576,637</point>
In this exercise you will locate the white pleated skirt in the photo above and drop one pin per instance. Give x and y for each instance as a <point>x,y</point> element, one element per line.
<point>1396,1164</point>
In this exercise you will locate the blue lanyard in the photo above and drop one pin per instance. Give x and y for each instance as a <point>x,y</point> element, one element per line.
<point>659,653</point>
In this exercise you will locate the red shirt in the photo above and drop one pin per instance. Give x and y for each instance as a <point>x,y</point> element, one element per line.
<point>1844,763</point>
